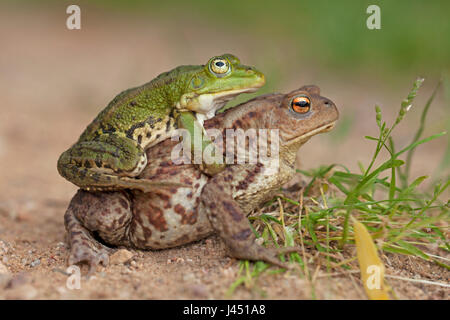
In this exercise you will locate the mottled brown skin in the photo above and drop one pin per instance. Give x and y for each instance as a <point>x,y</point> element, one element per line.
<point>179,215</point>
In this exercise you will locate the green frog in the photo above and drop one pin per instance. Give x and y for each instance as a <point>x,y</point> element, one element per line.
<point>110,153</point>
<point>176,216</point>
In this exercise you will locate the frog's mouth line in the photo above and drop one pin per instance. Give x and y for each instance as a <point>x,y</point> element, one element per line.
<point>309,134</point>
<point>212,102</point>
<point>225,96</point>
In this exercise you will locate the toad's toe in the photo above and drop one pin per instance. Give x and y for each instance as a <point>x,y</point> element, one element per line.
<point>93,256</point>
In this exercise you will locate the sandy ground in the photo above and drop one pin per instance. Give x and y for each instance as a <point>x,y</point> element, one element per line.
<point>54,81</point>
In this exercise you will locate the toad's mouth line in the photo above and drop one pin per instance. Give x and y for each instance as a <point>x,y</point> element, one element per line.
<point>309,134</point>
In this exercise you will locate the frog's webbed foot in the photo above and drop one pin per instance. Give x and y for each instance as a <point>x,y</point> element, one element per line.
<point>212,169</point>
<point>147,185</point>
<point>84,249</point>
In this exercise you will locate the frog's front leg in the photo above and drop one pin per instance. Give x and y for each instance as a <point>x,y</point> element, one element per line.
<point>107,214</point>
<point>232,225</point>
<point>109,162</point>
<point>187,120</point>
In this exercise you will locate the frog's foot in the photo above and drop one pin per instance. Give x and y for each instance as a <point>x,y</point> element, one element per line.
<point>211,169</point>
<point>84,249</point>
<point>147,185</point>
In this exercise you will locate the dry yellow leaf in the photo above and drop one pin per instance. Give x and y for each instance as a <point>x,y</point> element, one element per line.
<point>372,269</point>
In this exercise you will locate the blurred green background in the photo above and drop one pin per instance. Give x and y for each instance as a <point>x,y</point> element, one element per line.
<point>415,35</point>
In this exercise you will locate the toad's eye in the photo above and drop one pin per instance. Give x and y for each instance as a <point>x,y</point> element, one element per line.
<point>301,104</point>
<point>219,66</point>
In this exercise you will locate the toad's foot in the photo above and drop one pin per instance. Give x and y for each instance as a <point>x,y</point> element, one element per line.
<point>273,255</point>
<point>84,249</point>
<point>81,253</point>
<point>256,252</point>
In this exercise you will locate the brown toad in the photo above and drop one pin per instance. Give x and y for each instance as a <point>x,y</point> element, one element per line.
<point>175,216</point>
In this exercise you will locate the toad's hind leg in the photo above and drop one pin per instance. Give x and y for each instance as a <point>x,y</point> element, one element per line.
<point>107,214</point>
<point>232,225</point>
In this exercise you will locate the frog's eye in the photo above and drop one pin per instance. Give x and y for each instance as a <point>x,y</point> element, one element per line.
<point>301,104</point>
<point>219,66</point>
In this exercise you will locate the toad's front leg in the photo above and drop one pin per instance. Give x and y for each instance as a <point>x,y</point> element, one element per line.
<point>232,225</point>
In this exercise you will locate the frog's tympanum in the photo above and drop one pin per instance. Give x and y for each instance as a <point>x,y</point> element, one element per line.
<point>110,153</point>
<point>178,215</point>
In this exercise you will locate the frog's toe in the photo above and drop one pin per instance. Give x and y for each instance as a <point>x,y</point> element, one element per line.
<point>147,185</point>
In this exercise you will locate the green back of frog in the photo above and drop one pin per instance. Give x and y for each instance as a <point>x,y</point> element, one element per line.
<point>111,151</point>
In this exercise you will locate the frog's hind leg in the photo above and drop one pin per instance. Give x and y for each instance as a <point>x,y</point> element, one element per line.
<point>232,225</point>
<point>107,214</point>
<point>107,163</point>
